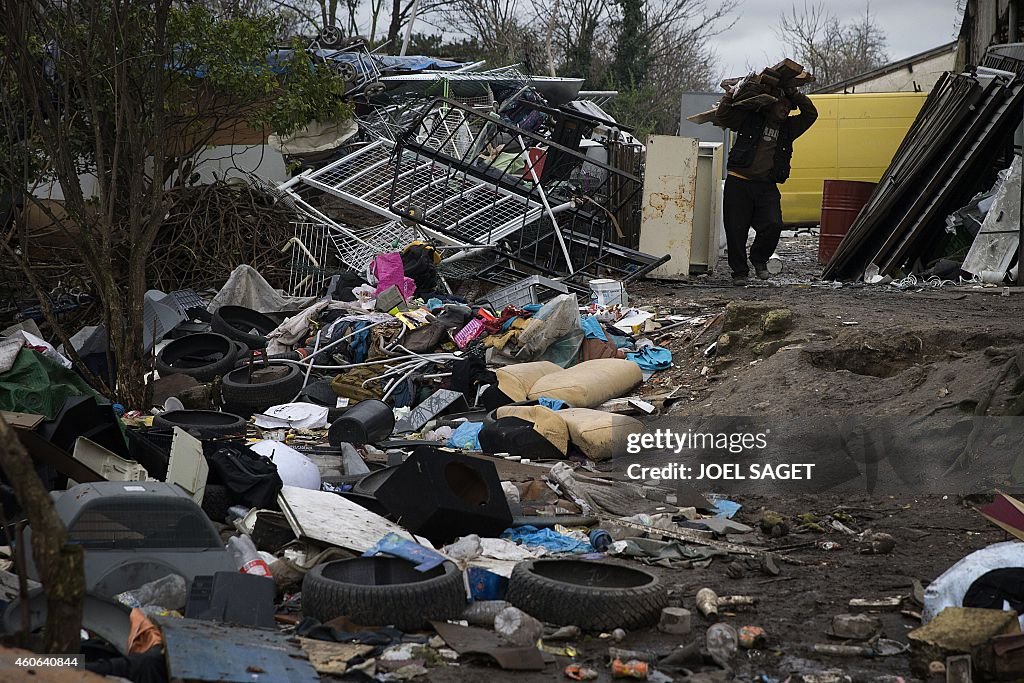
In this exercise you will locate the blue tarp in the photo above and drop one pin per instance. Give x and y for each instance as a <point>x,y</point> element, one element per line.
<point>546,538</point>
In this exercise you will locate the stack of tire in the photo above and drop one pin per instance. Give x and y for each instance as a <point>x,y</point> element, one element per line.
<point>237,332</point>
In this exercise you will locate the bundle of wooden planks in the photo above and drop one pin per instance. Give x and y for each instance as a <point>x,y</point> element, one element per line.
<point>755,91</point>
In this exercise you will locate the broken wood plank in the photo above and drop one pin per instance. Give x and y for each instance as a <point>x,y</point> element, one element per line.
<point>329,518</point>
<point>787,68</point>
<point>703,117</point>
<point>332,658</point>
<point>757,102</point>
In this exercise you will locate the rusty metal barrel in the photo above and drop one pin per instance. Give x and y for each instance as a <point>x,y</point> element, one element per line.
<point>841,201</point>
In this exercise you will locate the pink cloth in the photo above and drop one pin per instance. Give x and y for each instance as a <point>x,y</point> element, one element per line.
<point>388,270</point>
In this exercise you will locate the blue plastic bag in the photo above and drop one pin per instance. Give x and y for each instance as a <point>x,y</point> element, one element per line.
<point>652,358</point>
<point>533,537</point>
<point>466,436</point>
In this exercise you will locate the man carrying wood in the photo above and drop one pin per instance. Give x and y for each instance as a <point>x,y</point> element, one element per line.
<point>759,160</point>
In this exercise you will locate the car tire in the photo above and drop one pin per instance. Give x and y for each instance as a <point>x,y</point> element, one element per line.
<point>236,322</point>
<point>595,596</point>
<point>203,356</point>
<point>260,396</point>
<point>384,591</point>
<point>217,499</point>
<point>208,423</point>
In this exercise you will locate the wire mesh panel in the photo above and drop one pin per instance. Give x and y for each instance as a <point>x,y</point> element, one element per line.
<point>320,250</point>
<point>489,187</point>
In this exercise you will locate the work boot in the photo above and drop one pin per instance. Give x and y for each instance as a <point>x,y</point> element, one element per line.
<point>739,281</point>
<point>761,270</point>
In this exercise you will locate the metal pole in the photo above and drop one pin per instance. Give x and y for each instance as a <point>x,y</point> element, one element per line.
<point>1020,226</point>
<point>408,29</point>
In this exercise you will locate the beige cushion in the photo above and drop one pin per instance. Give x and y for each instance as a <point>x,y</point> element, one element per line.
<point>546,422</point>
<point>598,434</point>
<point>589,384</point>
<point>515,380</point>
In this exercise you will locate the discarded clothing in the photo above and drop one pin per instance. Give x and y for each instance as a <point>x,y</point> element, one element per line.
<point>246,287</point>
<point>467,436</point>
<point>652,358</point>
<point>311,628</point>
<point>592,328</point>
<point>349,383</point>
<point>549,539</point>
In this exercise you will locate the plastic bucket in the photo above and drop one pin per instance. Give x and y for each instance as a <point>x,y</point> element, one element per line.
<point>368,421</point>
<point>841,201</point>
<point>604,292</point>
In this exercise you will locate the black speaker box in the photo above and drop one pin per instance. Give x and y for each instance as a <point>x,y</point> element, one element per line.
<point>443,495</point>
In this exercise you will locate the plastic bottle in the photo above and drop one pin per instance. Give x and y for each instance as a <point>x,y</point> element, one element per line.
<point>169,592</point>
<point>722,641</point>
<point>247,558</point>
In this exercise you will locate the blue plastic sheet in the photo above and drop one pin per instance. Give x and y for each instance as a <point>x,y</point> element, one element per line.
<point>546,538</point>
<point>393,544</point>
<point>466,436</point>
<point>553,403</point>
<point>652,358</point>
<point>592,328</point>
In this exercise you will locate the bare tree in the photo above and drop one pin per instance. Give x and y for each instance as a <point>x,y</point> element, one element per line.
<point>115,100</point>
<point>834,51</point>
<point>499,27</point>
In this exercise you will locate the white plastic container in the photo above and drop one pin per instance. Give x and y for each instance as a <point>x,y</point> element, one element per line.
<point>605,292</point>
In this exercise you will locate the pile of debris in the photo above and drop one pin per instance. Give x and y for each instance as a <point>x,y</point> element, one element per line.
<point>507,176</point>
<point>340,467</point>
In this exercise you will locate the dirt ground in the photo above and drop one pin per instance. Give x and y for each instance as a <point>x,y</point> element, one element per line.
<point>842,351</point>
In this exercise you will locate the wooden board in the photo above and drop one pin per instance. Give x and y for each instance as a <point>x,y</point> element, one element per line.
<point>703,117</point>
<point>329,518</point>
<point>787,68</point>
<point>756,102</point>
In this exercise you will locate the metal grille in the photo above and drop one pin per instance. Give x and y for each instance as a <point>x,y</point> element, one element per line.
<point>124,524</point>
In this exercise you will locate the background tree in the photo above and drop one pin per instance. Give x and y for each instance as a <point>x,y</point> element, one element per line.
<point>114,101</point>
<point>832,50</point>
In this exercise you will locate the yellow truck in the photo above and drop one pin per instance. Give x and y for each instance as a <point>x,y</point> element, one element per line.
<point>854,138</point>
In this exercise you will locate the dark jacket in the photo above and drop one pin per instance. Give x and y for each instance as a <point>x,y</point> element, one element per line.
<point>749,126</point>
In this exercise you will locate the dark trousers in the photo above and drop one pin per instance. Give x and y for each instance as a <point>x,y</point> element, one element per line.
<point>751,204</point>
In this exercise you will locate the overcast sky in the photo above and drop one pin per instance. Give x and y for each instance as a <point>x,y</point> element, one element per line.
<point>911,26</point>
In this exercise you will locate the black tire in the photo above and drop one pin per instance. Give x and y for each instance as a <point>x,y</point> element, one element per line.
<point>236,322</point>
<point>596,596</point>
<point>217,498</point>
<point>260,396</point>
<point>208,423</point>
<point>383,591</point>
<point>241,351</point>
<point>203,356</point>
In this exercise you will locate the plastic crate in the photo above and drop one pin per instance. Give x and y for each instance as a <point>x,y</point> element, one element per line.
<point>531,290</point>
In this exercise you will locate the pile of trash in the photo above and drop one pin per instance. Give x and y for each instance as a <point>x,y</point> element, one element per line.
<point>394,475</point>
